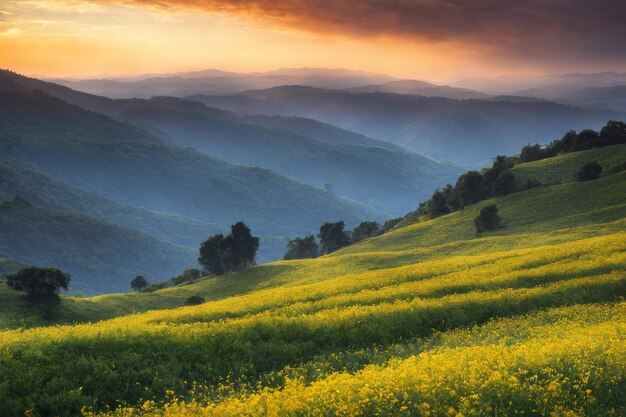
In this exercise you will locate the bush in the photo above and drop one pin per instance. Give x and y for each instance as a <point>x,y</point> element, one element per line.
<point>194,300</point>
<point>589,171</point>
<point>488,219</point>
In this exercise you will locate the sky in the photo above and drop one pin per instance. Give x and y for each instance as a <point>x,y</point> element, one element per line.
<point>435,40</point>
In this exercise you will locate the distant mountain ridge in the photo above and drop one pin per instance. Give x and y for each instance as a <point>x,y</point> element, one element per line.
<point>464,131</point>
<point>218,82</point>
<point>381,175</point>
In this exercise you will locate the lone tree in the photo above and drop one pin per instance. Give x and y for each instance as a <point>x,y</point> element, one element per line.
<point>488,219</point>
<point>364,230</point>
<point>333,237</point>
<point>589,171</point>
<point>301,248</point>
<point>220,254</point>
<point>39,284</point>
<point>139,283</point>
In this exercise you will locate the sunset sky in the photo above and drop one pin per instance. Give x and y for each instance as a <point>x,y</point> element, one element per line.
<point>424,39</point>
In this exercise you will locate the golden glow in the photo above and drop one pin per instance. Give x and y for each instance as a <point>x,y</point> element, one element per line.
<point>77,38</point>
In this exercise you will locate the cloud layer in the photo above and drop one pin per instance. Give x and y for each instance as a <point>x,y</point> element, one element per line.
<point>593,28</point>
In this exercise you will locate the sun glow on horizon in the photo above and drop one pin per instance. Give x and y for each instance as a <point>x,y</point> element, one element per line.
<point>77,38</point>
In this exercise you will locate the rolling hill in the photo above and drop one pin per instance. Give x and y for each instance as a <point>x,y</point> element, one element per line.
<point>50,192</point>
<point>464,131</point>
<point>168,178</point>
<point>362,169</point>
<point>427,317</point>
<point>101,257</point>
<point>387,180</point>
<point>420,88</point>
<point>218,82</point>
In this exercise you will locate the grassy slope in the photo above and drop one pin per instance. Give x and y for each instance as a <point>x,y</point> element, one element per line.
<point>564,167</point>
<point>532,218</point>
<point>373,303</point>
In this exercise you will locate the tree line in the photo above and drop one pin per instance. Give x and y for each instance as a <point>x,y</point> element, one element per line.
<point>495,181</point>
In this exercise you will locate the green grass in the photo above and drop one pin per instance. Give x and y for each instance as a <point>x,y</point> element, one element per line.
<point>564,167</point>
<point>413,291</point>
<point>547,215</point>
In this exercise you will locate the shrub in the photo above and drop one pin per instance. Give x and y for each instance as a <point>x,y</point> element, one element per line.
<point>194,300</point>
<point>589,171</point>
<point>488,219</point>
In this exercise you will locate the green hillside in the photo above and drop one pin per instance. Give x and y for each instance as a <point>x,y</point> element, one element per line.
<point>397,307</point>
<point>388,180</point>
<point>102,257</point>
<point>563,168</point>
<point>378,174</point>
<point>429,301</point>
<point>49,192</point>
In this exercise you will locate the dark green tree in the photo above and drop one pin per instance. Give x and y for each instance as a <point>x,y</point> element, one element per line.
<point>242,247</point>
<point>469,188</point>
<point>220,254</point>
<point>301,248</point>
<point>364,230</point>
<point>488,219</point>
<point>333,237</point>
<point>437,205</point>
<point>39,284</point>
<point>187,275</point>
<point>139,283</point>
<point>589,171</point>
<point>613,133</point>
<point>212,252</point>
<point>504,184</point>
<point>531,153</point>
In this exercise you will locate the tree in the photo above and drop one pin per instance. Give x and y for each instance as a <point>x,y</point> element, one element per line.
<point>139,283</point>
<point>437,204</point>
<point>532,153</point>
<point>187,275</point>
<point>243,247</point>
<point>504,184</point>
<point>40,284</point>
<point>220,254</point>
<point>589,171</point>
<point>333,237</point>
<point>469,188</point>
<point>301,248</point>
<point>488,219</point>
<point>613,133</point>
<point>500,164</point>
<point>364,230</point>
<point>212,251</point>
